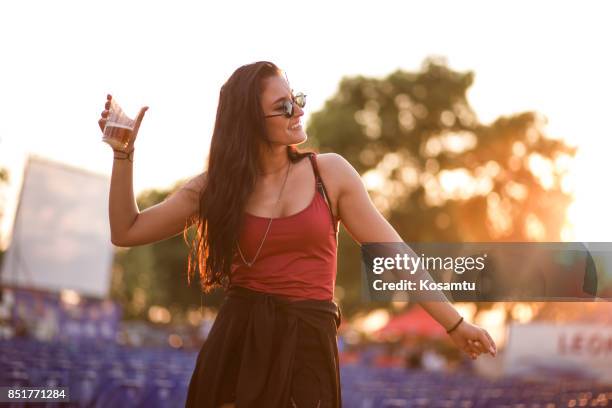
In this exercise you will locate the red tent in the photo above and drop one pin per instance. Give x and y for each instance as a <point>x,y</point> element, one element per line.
<point>414,321</point>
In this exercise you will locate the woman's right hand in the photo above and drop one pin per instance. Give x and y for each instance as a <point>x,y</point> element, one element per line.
<point>132,134</point>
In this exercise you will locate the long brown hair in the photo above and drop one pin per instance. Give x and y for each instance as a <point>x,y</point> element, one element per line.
<point>231,173</point>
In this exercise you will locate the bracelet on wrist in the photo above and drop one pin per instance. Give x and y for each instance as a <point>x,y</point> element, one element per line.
<point>455,326</point>
<point>122,155</point>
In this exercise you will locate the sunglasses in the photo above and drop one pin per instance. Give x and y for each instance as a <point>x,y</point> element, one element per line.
<point>287,108</point>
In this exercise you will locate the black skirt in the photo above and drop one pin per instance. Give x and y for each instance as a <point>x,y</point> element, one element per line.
<point>267,351</point>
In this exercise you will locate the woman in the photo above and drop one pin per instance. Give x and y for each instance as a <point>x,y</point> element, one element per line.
<point>267,218</point>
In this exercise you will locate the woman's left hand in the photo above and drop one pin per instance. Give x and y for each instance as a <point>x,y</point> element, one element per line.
<point>473,340</point>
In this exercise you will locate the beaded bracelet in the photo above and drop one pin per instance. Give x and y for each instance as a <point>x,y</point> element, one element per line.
<point>455,326</point>
<point>127,155</point>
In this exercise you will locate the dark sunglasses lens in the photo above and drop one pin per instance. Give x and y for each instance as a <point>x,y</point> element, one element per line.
<point>288,109</point>
<point>300,100</point>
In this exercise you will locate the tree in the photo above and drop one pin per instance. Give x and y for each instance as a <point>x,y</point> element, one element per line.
<point>434,171</point>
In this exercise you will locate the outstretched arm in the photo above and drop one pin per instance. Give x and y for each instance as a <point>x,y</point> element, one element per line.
<point>367,225</point>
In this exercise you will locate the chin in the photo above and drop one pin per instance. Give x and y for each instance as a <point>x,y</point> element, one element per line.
<point>298,138</point>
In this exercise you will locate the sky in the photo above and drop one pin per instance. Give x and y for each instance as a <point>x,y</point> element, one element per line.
<point>61,58</point>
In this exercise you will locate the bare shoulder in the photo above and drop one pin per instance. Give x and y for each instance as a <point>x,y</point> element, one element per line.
<point>340,178</point>
<point>337,170</point>
<point>333,162</point>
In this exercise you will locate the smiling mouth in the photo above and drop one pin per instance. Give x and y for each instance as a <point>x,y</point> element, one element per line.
<point>296,126</point>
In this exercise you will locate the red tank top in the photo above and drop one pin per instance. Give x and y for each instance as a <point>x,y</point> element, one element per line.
<point>298,258</point>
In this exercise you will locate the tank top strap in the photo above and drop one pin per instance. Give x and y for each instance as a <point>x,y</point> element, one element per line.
<point>321,188</point>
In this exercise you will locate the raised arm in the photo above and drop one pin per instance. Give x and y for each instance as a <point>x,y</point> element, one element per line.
<point>366,224</point>
<point>129,227</point>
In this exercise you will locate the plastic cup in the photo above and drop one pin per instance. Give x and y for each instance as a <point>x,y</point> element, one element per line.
<point>119,128</point>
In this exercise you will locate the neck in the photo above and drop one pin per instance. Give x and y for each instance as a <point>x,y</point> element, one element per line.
<point>273,161</point>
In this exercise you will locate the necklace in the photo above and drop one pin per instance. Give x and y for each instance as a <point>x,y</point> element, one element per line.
<point>249,264</point>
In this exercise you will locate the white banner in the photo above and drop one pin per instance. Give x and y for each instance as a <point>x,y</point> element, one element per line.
<point>563,349</point>
<point>61,235</point>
